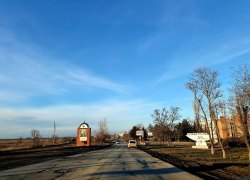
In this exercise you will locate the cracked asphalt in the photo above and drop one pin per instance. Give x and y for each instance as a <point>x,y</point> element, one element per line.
<point>114,162</point>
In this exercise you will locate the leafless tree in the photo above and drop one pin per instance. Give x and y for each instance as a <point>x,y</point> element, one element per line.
<point>160,133</point>
<point>205,86</point>
<point>196,108</point>
<point>240,87</point>
<point>35,135</point>
<point>102,133</point>
<point>125,136</point>
<point>241,82</point>
<point>232,112</point>
<point>165,123</point>
<point>222,106</point>
<point>19,141</point>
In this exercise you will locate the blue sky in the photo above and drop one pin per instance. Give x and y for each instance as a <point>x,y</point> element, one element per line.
<point>65,60</point>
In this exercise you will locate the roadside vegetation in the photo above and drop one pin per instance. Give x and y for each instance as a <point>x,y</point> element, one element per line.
<point>228,157</point>
<point>202,162</point>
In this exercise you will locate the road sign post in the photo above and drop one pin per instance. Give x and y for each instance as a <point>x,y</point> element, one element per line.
<point>140,133</point>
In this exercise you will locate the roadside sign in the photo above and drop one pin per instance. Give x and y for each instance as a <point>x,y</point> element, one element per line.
<point>140,133</point>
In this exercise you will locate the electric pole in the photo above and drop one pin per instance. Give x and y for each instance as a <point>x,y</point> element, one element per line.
<point>54,133</point>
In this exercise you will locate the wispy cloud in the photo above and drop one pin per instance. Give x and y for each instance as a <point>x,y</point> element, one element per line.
<point>95,81</point>
<point>120,115</point>
<point>24,68</point>
<point>71,116</point>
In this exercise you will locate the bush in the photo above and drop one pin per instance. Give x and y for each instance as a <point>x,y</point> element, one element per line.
<point>19,141</point>
<point>69,140</point>
<point>234,142</point>
<point>73,140</point>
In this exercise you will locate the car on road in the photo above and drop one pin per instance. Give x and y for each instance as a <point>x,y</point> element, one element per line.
<point>117,142</point>
<point>132,144</point>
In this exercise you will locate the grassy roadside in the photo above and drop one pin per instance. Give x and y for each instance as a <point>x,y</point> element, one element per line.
<point>202,163</point>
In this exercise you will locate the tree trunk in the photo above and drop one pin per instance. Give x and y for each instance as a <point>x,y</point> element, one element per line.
<point>211,137</point>
<point>235,126</point>
<point>212,148</point>
<point>217,129</point>
<point>219,139</point>
<point>243,126</point>
<point>224,153</point>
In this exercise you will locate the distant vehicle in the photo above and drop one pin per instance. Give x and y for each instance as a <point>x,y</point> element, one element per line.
<point>117,142</point>
<point>132,144</point>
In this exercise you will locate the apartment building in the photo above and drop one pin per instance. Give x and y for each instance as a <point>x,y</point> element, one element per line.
<point>227,127</point>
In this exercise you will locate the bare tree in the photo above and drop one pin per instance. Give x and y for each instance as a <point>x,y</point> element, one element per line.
<point>196,108</point>
<point>150,127</point>
<point>204,84</point>
<point>232,112</point>
<point>102,131</point>
<point>241,81</point>
<point>222,106</point>
<point>35,135</point>
<point>240,87</point>
<point>160,133</point>
<point>19,141</point>
<point>165,122</point>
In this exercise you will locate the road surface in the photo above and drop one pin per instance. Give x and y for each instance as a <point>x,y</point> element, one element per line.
<point>116,162</point>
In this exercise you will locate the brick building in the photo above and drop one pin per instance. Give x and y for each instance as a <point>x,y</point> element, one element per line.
<point>227,127</point>
<point>230,128</point>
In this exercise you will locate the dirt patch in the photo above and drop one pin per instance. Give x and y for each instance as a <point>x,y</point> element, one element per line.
<point>18,158</point>
<point>202,163</point>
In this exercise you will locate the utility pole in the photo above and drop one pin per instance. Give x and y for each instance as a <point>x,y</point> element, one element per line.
<point>54,133</point>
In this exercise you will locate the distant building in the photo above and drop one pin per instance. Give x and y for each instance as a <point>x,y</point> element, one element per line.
<point>119,134</point>
<point>230,127</point>
<point>227,127</point>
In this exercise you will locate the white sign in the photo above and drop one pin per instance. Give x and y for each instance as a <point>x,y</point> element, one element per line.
<point>150,134</point>
<point>140,133</point>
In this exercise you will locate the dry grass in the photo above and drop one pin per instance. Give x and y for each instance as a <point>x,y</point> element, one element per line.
<point>234,155</point>
<point>15,144</point>
<point>182,155</point>
<point>18,144</point>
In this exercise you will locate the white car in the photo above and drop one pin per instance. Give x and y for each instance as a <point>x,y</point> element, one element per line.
<point>132,144</point>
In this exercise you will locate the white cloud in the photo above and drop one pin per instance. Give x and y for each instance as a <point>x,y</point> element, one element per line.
<point>120,115</point>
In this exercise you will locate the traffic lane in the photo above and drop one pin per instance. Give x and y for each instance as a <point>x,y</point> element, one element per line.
<point>136,164</point>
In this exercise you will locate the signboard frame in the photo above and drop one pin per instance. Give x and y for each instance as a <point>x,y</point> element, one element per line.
<point>140,133</point>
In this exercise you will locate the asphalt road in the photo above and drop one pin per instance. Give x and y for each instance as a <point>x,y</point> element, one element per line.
<point>115,162</point>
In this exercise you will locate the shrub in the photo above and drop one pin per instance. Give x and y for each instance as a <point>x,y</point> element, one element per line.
<point>234,142</point>
<point>73,140</point>
<point>19,141</point>
<point>66,140</point>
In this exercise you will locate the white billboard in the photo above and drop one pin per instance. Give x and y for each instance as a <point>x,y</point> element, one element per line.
<point>140,133</point>
<point>150,134</point>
